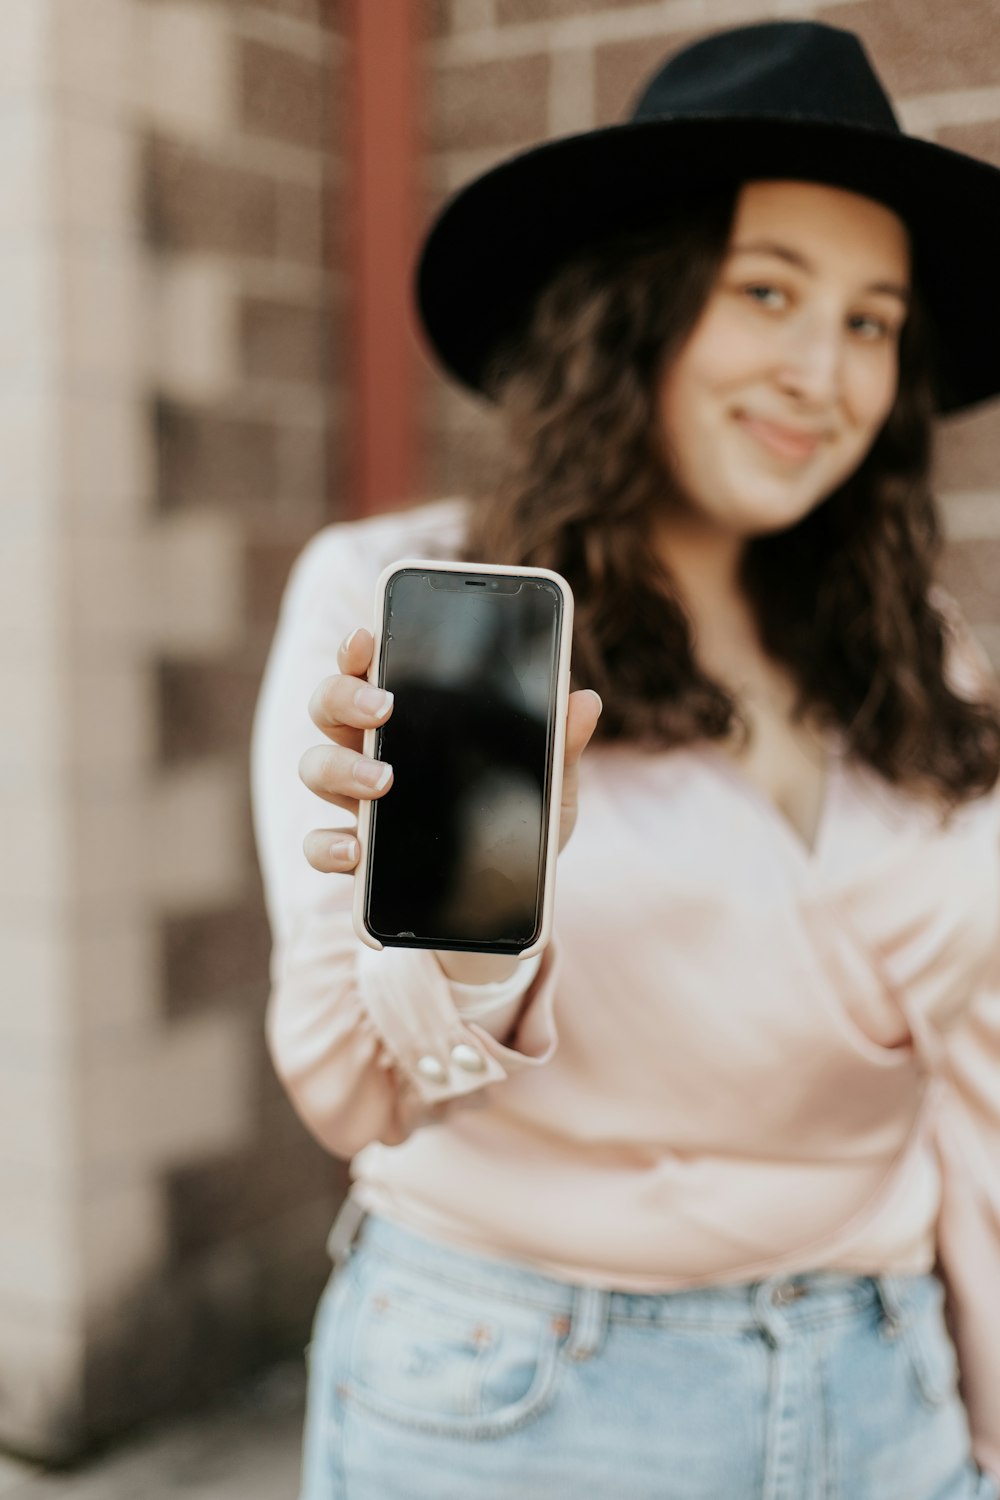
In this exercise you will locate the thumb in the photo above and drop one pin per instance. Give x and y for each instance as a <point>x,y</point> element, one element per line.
<point>583,712</point>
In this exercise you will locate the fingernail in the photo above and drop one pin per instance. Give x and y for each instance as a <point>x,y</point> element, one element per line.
<point>372,773</point>
<point>347,644</point>
<point>373,700</point>
<point>345,848</point>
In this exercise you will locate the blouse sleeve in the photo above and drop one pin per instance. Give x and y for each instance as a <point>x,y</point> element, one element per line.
<point>368,1044</point>
<point>964,1059</point>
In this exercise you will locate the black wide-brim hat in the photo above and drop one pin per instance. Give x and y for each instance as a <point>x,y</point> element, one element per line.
<point>792,100</point>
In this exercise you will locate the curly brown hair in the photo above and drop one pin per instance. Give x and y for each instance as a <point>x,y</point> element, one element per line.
<point>844,599</point>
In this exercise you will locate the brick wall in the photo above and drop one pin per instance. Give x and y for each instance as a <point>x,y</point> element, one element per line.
<point>171,426</point>
<point>172,305</point>
<point>503,73</point>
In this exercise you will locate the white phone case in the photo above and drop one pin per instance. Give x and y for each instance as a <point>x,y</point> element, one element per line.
<point>558,744</point>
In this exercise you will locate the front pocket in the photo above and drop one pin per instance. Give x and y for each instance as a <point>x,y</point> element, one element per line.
<point>447,1360</point>
<point>928,1344</point>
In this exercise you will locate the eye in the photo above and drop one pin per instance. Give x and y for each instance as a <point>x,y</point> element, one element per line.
<point>869,328</point>
<point>766,295</point>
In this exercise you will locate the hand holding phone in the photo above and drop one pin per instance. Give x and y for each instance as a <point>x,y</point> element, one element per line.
<point>343,706</point>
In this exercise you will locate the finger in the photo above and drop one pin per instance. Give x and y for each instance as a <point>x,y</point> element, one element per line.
<point>354,655</point>
<point>344,706</point>
<point>331,849</point>
<point>342,776</point>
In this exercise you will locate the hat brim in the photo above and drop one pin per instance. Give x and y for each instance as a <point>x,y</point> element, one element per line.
<point>497,241</point>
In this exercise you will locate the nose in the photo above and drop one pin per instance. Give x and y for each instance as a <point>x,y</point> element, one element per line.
<point>812,359</point>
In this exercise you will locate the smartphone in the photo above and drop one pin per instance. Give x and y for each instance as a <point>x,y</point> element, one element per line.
<point>460,853</point>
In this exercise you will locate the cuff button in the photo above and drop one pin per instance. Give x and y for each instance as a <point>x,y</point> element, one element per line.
<point>467,1058</point>
<point>435,1072</point>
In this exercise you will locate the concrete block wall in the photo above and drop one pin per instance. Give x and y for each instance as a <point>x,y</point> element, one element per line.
<point>169,420</point>
<point>502,74</point>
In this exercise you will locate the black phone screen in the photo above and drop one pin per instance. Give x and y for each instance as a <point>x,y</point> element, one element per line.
<point>458,844</point>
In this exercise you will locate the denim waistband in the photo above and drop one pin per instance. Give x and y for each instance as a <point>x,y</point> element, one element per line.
<point>775,1304</point>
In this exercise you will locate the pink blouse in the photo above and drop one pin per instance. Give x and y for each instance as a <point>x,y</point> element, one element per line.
<point>739,1056</point>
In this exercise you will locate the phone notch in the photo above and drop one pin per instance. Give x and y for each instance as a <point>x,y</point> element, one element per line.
<point>491,583</point>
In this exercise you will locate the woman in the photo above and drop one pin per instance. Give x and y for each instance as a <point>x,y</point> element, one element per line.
<point>674,1212</point>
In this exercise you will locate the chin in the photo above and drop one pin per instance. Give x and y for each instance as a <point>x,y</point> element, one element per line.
<point>776,505</point>
<point>779,523</point>
<point>765,518</point>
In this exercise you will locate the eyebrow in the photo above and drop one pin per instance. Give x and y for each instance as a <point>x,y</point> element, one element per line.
<point>793,258</point>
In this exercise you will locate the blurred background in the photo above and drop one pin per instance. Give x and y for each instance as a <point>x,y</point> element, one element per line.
<point>207,220</point>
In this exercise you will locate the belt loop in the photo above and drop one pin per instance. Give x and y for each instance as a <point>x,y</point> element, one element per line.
<point>893,1313</point>
<point>343,1234</point>
<point>766,1311</point>
<point>591,1306</point>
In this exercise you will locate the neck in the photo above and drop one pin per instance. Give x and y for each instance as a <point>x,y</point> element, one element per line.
<point>703,563</point>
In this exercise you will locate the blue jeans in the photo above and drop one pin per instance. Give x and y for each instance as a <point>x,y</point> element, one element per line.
<point>435,1374</point>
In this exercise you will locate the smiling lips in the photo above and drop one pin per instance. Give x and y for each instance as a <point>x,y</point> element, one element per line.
<point>790,443</point>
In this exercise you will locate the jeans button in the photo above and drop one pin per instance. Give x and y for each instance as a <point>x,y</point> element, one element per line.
<point>787,1292</point>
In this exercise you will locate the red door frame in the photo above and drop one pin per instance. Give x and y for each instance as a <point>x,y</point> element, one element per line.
<point>383,198</point>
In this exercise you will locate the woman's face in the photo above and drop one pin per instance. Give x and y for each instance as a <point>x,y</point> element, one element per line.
<point>791,369</point>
